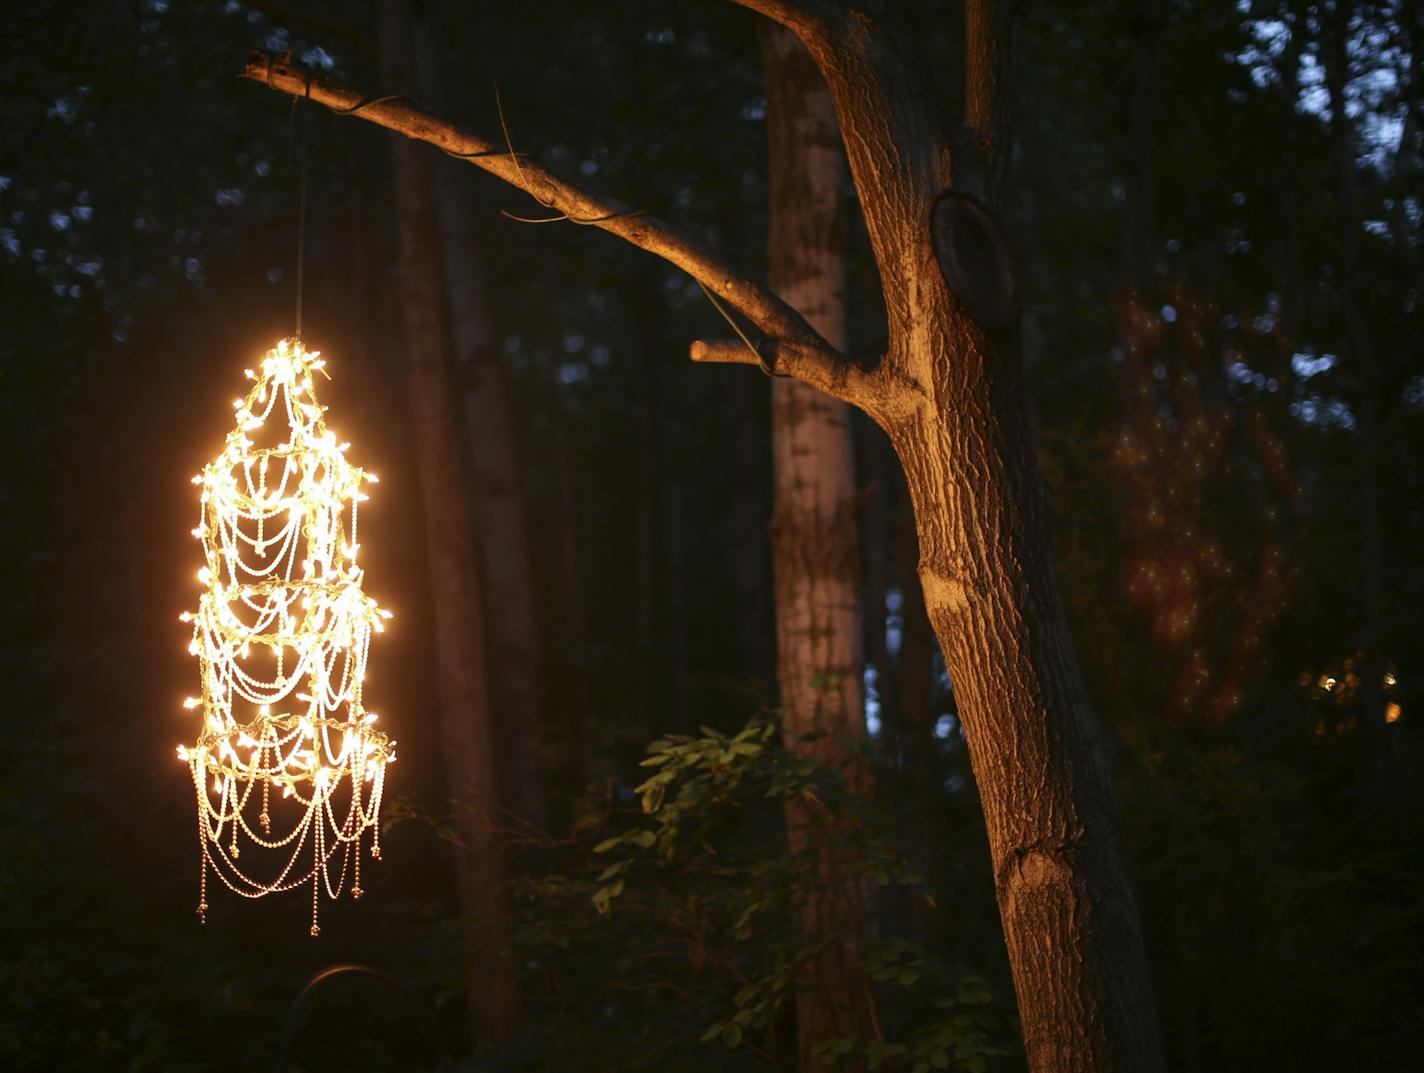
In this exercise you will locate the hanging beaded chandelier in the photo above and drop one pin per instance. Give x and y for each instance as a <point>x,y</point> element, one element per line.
<point>288,768</point>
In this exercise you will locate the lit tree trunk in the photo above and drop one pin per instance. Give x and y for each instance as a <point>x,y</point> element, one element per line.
<point>949,392</point>
<point>466,727</point>
<point>815,558</point>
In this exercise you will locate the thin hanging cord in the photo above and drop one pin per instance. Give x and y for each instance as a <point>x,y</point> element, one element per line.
<point>301,148</point>
<point>761,361</point>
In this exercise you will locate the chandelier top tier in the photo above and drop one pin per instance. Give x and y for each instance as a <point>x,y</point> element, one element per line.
<point>288,766</point>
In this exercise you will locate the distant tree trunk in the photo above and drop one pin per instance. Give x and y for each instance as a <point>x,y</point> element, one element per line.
<point>744,402</point>
<point>661,593</point>
<point>572,632</point>
<point>1137,248</point>
<point>512,636</point>
<point>815,559</point>
<point>467,735</point>
<point>915,699</point>
<point>875,528</point>
<point>1360,354</point>
<point>675,575</point>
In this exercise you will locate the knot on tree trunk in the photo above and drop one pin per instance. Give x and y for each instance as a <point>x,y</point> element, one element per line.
<point>974,258</point>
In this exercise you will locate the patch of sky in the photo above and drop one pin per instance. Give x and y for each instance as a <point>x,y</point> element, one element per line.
<point>1307,364</point>
<point>1413,394</point>
<point>871,679</point>
<point>1241,372</point>
<point>894,621</point>
<point>1371,92</point>
<point>62,109</point>
<point>316,56</point>
<point>1325,413</point>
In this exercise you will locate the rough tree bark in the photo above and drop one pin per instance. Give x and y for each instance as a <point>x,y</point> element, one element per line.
<point>815,549</point>
<point>949,392</point>
<point>466,727</point>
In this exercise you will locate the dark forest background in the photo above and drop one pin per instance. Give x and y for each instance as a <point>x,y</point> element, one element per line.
<point>1218,217</point>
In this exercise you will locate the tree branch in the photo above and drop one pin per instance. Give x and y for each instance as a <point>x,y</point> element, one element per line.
<point>797,15</point>
<point>771,316</point>
<point>876,391</point>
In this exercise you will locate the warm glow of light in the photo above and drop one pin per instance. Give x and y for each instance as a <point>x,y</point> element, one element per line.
<point>1393,712</point>
<point>281,632</point>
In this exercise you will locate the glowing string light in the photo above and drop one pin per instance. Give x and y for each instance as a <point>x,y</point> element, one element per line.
<point>281,632</point>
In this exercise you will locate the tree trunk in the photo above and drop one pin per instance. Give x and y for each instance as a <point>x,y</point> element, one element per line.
<point>815,561</point>
<point>915,682</point>
<point>875,529</point>
<point>950,394</point>
<point>745,416</point>
<point>502,535</point>
<point>1359,353</point>
<point>466,728</point>
<point>571,636</point>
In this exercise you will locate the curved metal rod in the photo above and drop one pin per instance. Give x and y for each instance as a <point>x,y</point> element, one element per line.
<point>303,999</point>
